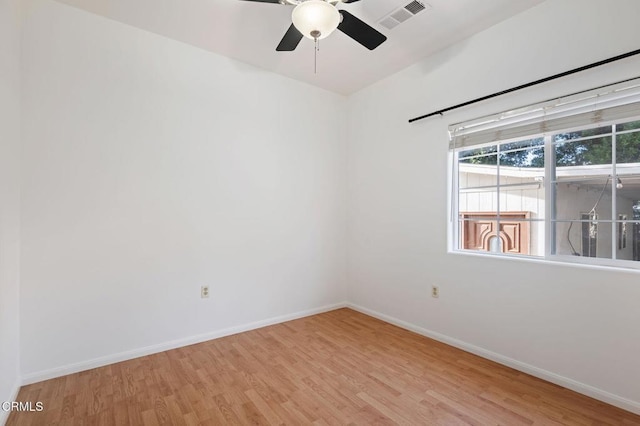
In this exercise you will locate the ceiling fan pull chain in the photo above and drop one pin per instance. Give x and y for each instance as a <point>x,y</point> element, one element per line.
<point>315,56</point>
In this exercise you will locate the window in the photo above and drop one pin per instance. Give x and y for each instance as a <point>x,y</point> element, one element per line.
<point>559,180</point>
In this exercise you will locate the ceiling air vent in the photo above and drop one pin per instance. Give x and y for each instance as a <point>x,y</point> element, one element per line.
<point>415,7</point>
<point>401,14</point>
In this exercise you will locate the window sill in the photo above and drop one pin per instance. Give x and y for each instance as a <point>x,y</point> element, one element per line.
<point>560,260</point>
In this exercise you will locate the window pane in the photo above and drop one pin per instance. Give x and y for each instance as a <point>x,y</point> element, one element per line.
<point>587,238</point>
<point>625,241</point>
<point>532,158</point>
<point>511,234</point>
<point>476,231</point>
<point>627,194</point>
<point>524,144</point>
<point>576,197</point>
<point>628,126</point>
<point>561,137</point>
<point>628,148</point>
<point>478,172</point>
<point>478,152</point>
<point>567,238</point>
<point>536,238</point>
<point>628,214</point>
<point>587,152</point>
<point>478,200</point>
<point>522,184</point>
<point>528,197</point>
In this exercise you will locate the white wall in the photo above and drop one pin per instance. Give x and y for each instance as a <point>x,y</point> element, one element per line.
<point>9,198</point>
<point>154,168</point>
<point>576,322</point>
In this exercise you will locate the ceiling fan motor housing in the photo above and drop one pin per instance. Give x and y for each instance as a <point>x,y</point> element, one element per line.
<point>315,19</point>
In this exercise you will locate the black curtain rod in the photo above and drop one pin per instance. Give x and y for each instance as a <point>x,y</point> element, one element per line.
<point>533,83</point>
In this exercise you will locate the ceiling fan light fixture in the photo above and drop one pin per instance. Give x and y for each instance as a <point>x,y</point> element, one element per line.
<point>315,19</point>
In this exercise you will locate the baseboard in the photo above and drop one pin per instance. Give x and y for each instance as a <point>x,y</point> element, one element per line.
<point>4,415</point>
<point>148,350</point>
<point>609,398</point>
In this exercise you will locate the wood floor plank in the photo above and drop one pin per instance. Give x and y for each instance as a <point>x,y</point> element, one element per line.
<point>336,368</point>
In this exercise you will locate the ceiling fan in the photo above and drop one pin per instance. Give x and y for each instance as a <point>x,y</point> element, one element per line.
<point>317,19</point>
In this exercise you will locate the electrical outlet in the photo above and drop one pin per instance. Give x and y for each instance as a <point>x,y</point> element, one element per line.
<point>204,292</point>
<point>435,291</point>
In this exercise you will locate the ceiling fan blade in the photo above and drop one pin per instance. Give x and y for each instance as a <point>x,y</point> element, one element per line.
<point>361,32</point>
<point>349,1</point>
<point>290,40</point>
<point>264,1</point>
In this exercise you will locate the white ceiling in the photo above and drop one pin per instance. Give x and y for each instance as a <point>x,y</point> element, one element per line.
<point>250,31</point>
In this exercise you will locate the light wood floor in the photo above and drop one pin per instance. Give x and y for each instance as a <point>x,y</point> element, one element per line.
<point>340,367</point>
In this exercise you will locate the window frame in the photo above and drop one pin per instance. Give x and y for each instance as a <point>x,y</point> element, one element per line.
<point>550,196</point>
